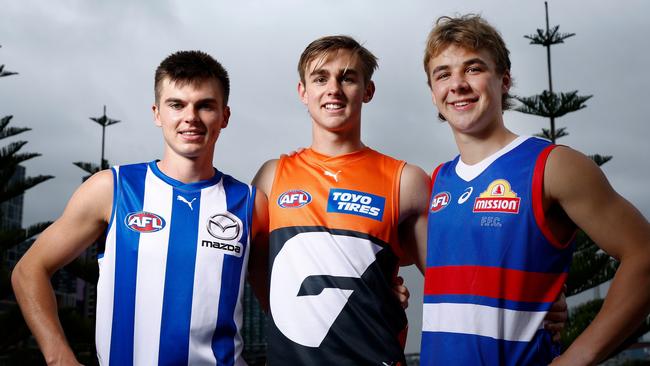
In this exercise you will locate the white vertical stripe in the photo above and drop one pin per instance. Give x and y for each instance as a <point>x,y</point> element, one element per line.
<point>497,323</point>
<point>150,280</point>
<point>105,288</point>
<point>207,281</point>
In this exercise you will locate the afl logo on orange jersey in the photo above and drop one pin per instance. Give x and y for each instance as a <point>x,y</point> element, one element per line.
<point>294,199</point>
<point>144,222</point>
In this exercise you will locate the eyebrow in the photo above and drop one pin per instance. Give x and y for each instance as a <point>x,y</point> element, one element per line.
<point>471,61</point>
<point>345,71</point>
<point>201,101</point>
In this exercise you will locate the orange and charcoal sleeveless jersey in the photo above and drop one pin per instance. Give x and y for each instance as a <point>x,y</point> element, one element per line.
<point>333,255</point>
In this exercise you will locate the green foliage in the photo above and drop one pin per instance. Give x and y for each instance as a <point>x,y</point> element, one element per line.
<point>546,133</point>
<point>579,318</point>
<point>548,37</point>
<point>550,104</point>
<point>600,159</point>
<point>9,160</point>
<point>591,266</point>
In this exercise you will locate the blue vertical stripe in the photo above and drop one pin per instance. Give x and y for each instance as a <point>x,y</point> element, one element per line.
<point>238,203</point>
<point>131,181</point>
<point>179,280</point>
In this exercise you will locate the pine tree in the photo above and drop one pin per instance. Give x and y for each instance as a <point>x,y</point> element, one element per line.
<point>591,267</point>
<point>14,330</point>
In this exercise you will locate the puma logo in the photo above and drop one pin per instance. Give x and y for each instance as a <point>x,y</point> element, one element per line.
<point>189,203</point>
<point>333,175</point>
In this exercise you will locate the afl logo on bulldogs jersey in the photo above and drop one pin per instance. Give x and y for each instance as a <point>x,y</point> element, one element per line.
<point>294,199</point>
<point>439,201</point>
<point>144,222</point>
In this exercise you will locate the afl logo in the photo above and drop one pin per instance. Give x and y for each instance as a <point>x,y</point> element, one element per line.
<point>294,199</point>
<point>144,222</point>
<point>440,201</point>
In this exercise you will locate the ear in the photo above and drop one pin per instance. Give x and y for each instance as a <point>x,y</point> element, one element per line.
<point>156,115</point>
<point>226,117</point>
<point>506,82</point>
<point>370,92</point>
<point>302,92</point>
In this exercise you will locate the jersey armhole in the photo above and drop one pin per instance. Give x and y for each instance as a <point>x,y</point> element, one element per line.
<point>101,249</point>
<point>433,179</point>
<point>276,176</point>
<point>396,192</point>
<point>249,212</point>
<point>537,200</point>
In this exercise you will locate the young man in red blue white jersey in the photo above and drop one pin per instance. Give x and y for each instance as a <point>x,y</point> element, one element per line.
<point>502,218</point>
<point>178,236</point>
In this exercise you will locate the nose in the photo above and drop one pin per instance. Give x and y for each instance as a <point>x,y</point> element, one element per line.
<point>459,83</point>
<point>333,86</point>
<point>191,114</point>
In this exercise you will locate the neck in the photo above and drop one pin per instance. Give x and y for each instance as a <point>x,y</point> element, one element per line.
<point>334,143</point>
<point>474,148</point>
<point>187,170</point>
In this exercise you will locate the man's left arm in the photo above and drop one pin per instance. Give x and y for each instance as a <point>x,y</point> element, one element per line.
<point>580,188</point>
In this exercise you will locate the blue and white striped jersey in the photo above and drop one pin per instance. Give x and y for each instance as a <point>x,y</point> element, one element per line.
<point>172,272</point>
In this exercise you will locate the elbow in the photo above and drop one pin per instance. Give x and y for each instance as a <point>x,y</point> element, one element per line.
<point>18,276</point>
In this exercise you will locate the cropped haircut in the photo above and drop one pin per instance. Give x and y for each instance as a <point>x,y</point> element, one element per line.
<point>325,45</point>
<point>471,32</point>
<point>191,67</point>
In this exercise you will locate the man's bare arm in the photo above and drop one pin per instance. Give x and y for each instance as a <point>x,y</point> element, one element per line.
<point>581,189</point>
<point>259,256</point>
<point>83,220</point>
<point>415,187</point>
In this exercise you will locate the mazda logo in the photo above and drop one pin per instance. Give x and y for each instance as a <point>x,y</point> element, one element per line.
<point>225,226</point>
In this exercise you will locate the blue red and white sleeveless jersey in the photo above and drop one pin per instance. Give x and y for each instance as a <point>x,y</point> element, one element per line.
<point>172,271</point>
<point>493,267</point>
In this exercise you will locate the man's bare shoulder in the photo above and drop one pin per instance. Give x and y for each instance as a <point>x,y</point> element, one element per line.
<point>415,186</point>
<point>263,180</point>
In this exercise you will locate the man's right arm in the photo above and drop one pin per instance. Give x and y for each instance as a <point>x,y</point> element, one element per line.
<point>84,219</point>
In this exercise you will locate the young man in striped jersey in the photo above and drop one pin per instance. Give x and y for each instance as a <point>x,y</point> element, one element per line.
<point>502,217</point>
<point>178,234</point>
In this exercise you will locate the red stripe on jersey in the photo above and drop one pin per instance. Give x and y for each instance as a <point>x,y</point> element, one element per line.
<point>538,197</point>
<point>494,282</point>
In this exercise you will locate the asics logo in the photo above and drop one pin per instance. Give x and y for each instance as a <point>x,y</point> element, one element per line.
<point>465,196</point>
<point>184,200</point>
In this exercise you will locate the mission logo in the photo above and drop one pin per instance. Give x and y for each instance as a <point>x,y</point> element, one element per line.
<point>498,197</point>
<point>294,199</point>
<point>144,222</point>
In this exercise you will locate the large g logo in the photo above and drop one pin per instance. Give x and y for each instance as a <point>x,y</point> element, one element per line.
<point>313,276</point>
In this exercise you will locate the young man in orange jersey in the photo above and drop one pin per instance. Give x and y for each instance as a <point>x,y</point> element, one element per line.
<point>502,219</point>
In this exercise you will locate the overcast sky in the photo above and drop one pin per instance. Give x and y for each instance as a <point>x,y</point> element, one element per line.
<point>75,56</point>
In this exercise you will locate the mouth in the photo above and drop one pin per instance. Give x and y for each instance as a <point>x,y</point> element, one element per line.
<point>460,104</point>
<point>191,134</point>
<point>333,106</point>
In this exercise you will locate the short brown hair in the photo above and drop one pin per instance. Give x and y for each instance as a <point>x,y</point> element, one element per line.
<point>190,67</point>
<point>325,45</point>
<point>472,32</point>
